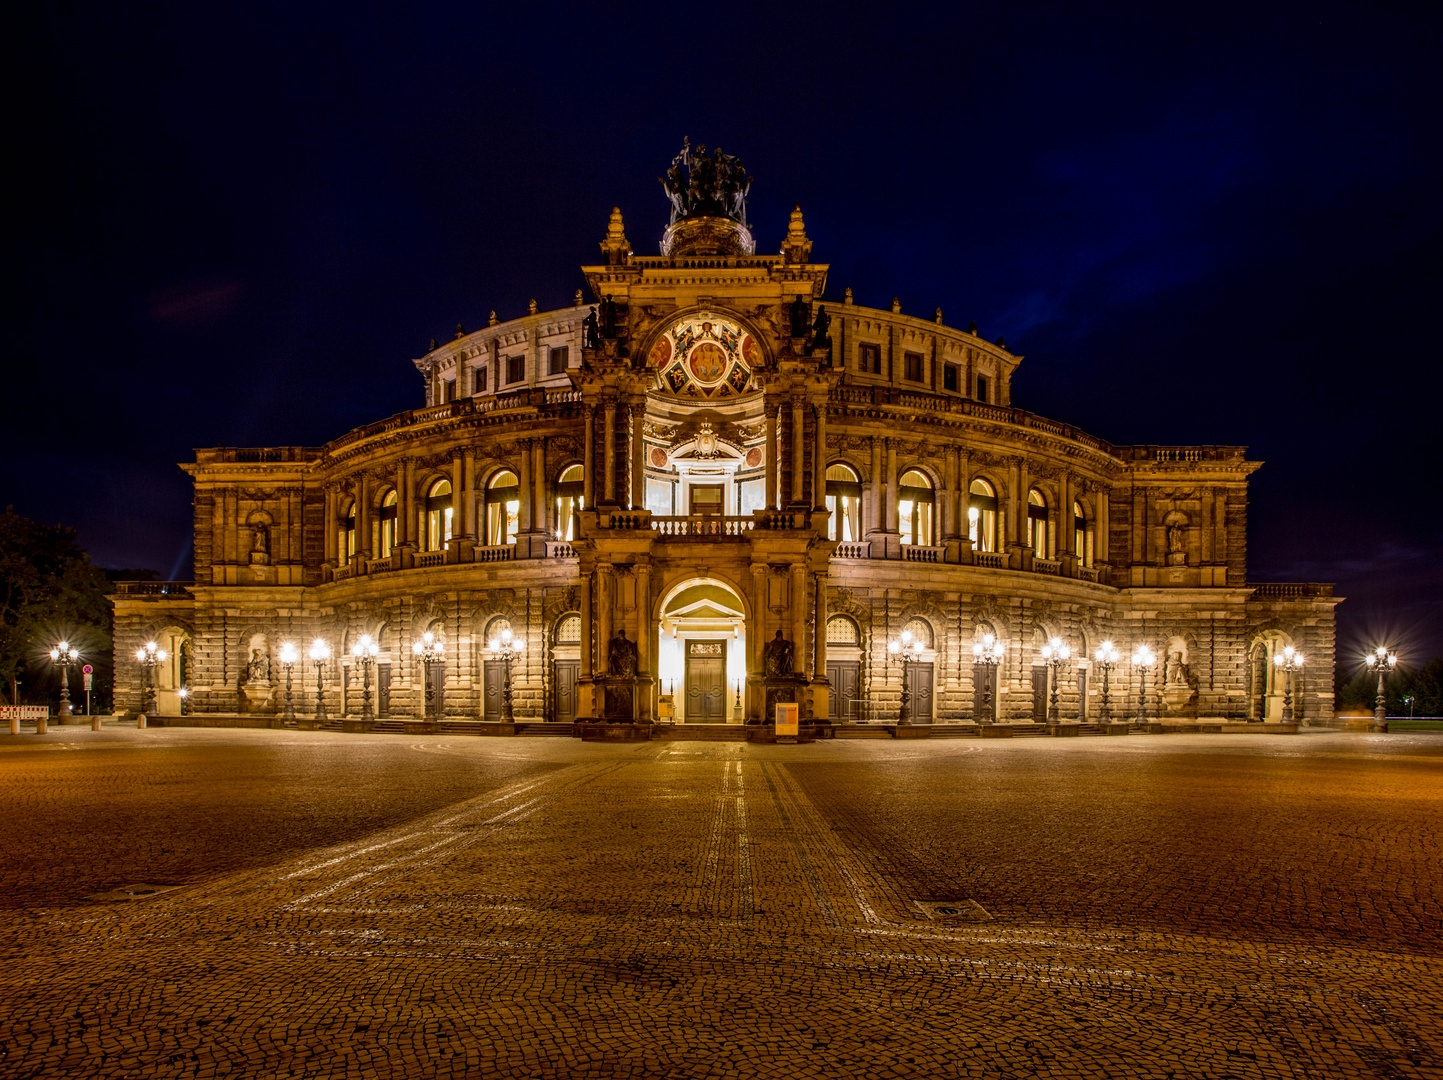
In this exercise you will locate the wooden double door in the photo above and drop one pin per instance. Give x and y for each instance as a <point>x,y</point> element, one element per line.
<point>706,682</point>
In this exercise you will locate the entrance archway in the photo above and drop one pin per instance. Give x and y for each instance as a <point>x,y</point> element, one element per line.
<point>701,655</point>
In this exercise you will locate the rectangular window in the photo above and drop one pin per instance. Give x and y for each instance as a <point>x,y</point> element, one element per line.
<point>556,360</point>
<point>949,378</point>
<point>478,381</point>
<point>448,390</point>
<point>516,368</point>
<point>869,358</point>
<point>981,387</point>
<point>912,367</point>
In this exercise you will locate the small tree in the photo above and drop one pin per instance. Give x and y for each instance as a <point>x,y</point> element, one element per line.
<point>48,591</point>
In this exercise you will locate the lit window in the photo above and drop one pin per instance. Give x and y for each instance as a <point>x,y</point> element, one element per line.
<point>982,515</point>
<point>503,508</point>
<point>439,510</point>
<point>569,500</point>
<point>348,532</point>
<point>386,526</point>
<point>844,502</point>
<point>1079,535</point>
<point>914,507</point>
<point>1037,523</point>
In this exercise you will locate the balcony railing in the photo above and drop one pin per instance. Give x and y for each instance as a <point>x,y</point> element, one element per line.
<point>153,588</point>
<point>429,558</point>
<point>492,553</point>
<point>704,525</point>
<point>1047,566</point>
<point>919,553</point>
<point>560,549</point>
<point>853,549</point>
<point>1291,590</point>
<point>993,560</point>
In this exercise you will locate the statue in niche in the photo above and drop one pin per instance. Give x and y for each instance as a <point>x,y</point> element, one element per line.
<point>592,330</point>
<point>1176,538</point>
<point>799,317</point>
<point>778,656</point>
<point>609,318</point>
<point>260,544</point>
<point>1176,670</point>
<point>259,669</point>
<point>820,325</point>
<point>621,657</point>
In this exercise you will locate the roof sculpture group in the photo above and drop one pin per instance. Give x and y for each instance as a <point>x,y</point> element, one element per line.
<point>715,185</point>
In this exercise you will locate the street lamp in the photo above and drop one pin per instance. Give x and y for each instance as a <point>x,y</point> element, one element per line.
<point>64,654</point>
<point>988,652</point>
<point>289,656</point>
<point>1287,662</point>
<point>431,650</point>
<point>1383,662</point>
<point>365,651</point>
<point>320,654</point>
<point>184,694</point>
<point>1057,656</point>
<point>1106,656</point>
<point>1142,659</point>
<point>906,649</point>
<point>149,656</point>
<point>506,648</point>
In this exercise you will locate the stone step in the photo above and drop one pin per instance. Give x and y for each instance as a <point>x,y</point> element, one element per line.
<point>954,731</point>
<point>703,732</point>
<point>863,731</point>
<point>546,729</point>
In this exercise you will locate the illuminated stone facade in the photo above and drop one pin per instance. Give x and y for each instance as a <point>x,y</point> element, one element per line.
<point>706,458</point>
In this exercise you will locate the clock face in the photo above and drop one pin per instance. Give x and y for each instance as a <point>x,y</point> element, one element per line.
<point>705,356</point>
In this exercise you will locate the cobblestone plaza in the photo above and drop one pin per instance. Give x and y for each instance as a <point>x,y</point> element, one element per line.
<point>333,905</point>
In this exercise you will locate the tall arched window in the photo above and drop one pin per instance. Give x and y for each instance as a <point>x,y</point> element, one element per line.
<point>386,526</point>
<point>844,501</point>
<point>1079,536</point>
<point>569,500</point>
<point>438,515</point>
<point>914,507</point>
<point>503,508</point>
<point>1037,523</point>
<point>348,532</point>
<point>982,515</point>
<point>921,631</point>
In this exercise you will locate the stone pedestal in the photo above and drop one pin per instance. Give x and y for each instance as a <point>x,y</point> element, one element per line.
<point>783,689</point>
<point>256,697</point>
<point>621,699</point>
<point>1176,700</point>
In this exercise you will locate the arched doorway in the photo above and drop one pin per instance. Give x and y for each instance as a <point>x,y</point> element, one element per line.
<point>701,657</point>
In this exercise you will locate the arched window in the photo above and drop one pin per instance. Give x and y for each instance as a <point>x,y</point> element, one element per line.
<point>1037,523</point>
<point>569,500</point>
<point>386,526</point>
<point>439,510</point>
<point>982,515</point>
<point>841,630</point>
<point>568,630</point>
<point>921,631</point>
<point>348,532</point>
<point>1079,535</point>
<point>914,507</point>
<point>844,501</point>
<point>503,508</point>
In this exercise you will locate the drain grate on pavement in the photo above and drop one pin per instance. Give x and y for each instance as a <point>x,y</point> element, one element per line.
<point>952,911</point>
<point>139,891</point>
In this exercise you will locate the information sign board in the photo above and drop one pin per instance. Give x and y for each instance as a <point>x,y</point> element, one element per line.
<point>787,718</point>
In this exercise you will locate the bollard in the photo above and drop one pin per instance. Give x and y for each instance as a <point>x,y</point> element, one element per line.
<point>140,720</point>
<point>15,725</point>
<point>95,722</point>
<point>41,727</point>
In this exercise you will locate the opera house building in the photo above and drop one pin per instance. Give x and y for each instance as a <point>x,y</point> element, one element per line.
<point>704,491</point>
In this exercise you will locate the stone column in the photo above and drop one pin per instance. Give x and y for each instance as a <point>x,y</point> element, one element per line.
<point>588,664</point>
<point>538,479</point>
<point>757,624</point>
<point>331,526</point>
<point>821,685</point>
<point>893,511</point>
<point>602,614</point>
<point>798,450</point>
<point>523,524</point>
<point>797,597</point>
<point>609,451</point>
<point>1101,536</point>
<point>875,515</point>
<point>774,460</point>
<point>588,434</point>
<point>363,519</point>
<point>408,501</point>
<point>638,455</point>
<point>819,461</point>
<point>467,530</point>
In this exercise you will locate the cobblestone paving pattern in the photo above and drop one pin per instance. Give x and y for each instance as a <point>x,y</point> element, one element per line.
<point>1176,907</point>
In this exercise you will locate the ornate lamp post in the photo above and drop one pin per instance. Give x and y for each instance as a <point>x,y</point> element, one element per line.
<point>1057,656</point>
<point>1383,662</point>
<point>365,652</point>
<point>430,650</point>
<point>506,648</point>
<point>64,655</point>
<point>289,656</point>
<point>1142,659</point>
<point>905,649</point>
<point>988,651</point>
<point>149,657</point>
<point>1287,662</point>
<point>1106,657</point>
<point>320,656</point>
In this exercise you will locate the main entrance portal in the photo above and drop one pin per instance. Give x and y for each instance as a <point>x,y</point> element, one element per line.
<point>702,651</point>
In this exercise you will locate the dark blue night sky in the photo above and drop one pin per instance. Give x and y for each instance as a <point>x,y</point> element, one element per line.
<point>238,225</point>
